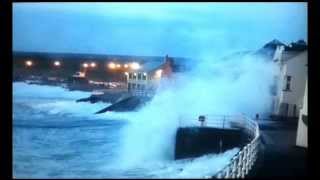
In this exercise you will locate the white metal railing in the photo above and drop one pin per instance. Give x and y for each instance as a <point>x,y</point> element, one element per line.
<point>219,121</point>
<point>243,161</point>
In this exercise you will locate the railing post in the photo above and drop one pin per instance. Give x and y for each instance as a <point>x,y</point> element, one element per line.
<point>219,175</point>
<point>243,161</point>
<point>224,118</point>
<point>249,156</point>
<point>234,168</point>
<point>253,155</point>
<point>228,172</point>
<point>247,159</point>
<point>240,165</point>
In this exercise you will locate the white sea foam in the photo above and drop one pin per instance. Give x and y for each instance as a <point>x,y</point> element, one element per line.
<point>55,100</point>
<point>200,167</point>
<point>207,165</point>
<point>148,140</point>
<point>24,90</point>
<point>230,87</point>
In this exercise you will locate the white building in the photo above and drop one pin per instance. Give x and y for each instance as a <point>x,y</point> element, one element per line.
<point>144,80</point>
<point>302,134</point>
<point>291,82</point>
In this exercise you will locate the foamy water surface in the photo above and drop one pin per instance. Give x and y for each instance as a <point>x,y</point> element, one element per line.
<point>55,137</point>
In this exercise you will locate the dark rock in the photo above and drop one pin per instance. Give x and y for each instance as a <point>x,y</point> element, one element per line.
<point>91,99</point>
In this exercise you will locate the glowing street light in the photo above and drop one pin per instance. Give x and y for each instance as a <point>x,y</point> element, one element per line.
<point>145,74</point>
<point>93,64</point>
<point>29,63</point>
<point>85,65</point>
<point>112,65</point>
<point>159,73</point>
<point>118,65</point>
<point>127,75</point>
<point>126,66</point>
<point>57,63</point>
<point>135,65</point>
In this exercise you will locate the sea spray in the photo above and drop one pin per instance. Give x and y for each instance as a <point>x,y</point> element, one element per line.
<point>229,87</point>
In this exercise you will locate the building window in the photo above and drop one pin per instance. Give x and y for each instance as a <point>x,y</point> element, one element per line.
<point>129,86</point>
<point>144,77</point>
<point>305,119</point>
<point>273,89</point>
<point>287,83</point>
<point>284,109</point>
<point>139,76</point>
<point>130,75</point>
<point>294,110</point>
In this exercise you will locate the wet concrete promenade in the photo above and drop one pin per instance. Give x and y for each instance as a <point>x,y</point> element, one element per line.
<point>280,157</point>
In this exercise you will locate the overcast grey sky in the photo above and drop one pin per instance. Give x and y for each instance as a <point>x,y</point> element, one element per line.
<point>177,29</point>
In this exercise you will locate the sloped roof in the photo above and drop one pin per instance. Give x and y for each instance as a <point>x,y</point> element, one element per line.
<point>268,50</point>
<point>289,52</point>
<point>151,65</point>
<point>287,55</point>
<point>299,46</point>
<point>273,44</point>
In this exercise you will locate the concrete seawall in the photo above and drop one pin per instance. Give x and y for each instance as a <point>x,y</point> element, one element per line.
<point>131,103</point>
<point>197,141</point>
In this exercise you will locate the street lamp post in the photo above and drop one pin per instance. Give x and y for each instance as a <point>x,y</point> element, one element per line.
<point>85,67</point>
<point>111,65</point>
<point>135,65</point>
<point>28,63</point>
<point>127,76</point>
<point>57,63</point>
<point>93,65</point>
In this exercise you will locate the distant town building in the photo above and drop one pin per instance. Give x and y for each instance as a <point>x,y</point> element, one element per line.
<point>290,84</point>
<point>79,74</point>
<point>78,78</point>
<point>64,65</point>
<point>144,81</point>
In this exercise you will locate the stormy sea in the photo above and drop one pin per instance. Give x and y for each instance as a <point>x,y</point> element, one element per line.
<point>56,137</point>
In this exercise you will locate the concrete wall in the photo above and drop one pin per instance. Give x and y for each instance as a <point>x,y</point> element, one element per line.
<point>297,69</point>
<point>302,134</point>
<point>151,81</point>
<point>197,141</point>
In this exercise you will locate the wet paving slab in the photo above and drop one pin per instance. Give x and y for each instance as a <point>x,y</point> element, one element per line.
<point>279,156</point>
